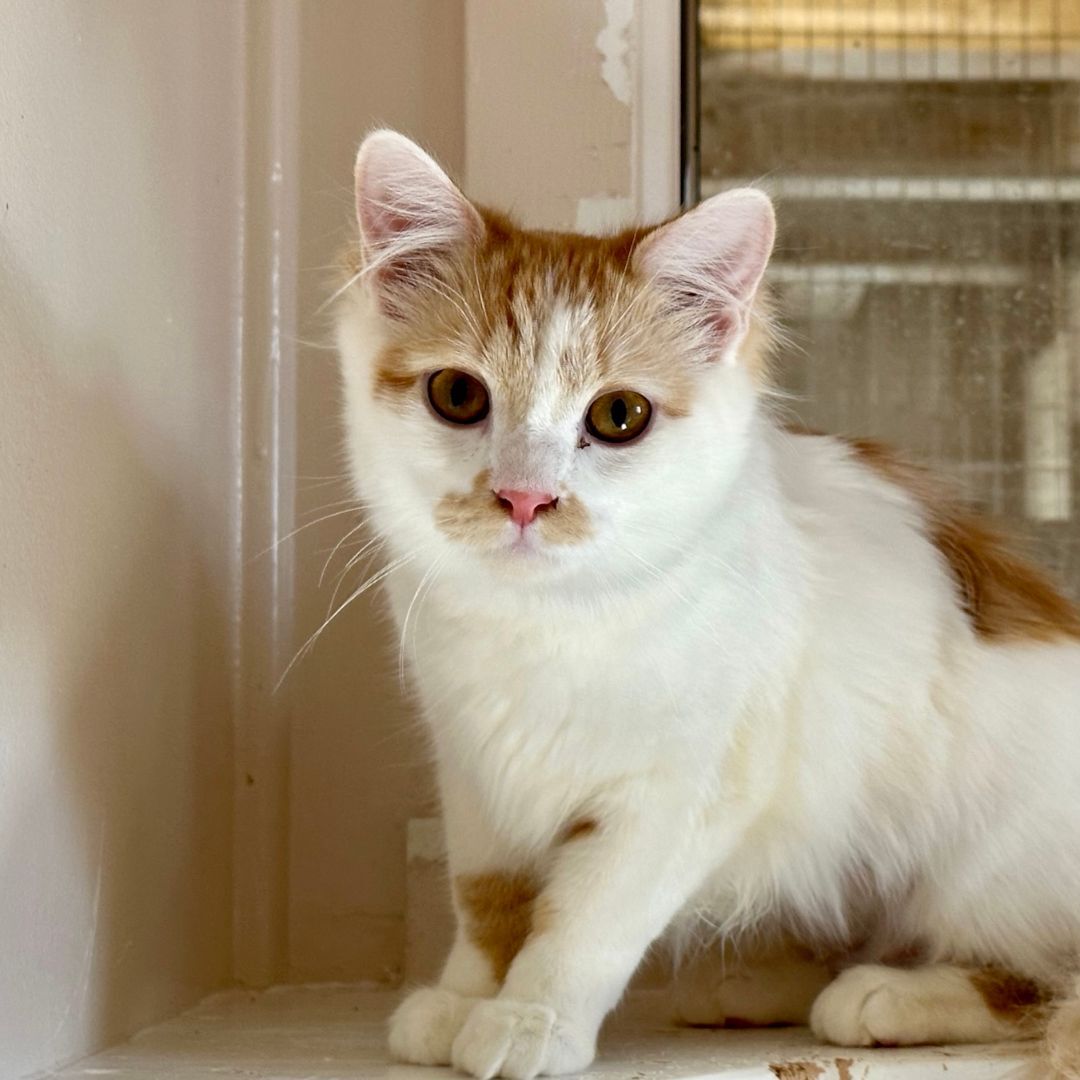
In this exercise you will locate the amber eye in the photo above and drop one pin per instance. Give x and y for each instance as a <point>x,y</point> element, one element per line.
<point>618,416</point>
<point>457,397</point>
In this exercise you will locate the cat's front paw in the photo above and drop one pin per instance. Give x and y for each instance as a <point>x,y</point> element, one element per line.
<point>425,1024</point>
<point>518,1040</point>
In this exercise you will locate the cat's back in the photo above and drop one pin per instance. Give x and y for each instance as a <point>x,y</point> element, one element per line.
<point>915,586</point>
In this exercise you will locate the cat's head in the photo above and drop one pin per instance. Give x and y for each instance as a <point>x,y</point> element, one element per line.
<point>534,405</point>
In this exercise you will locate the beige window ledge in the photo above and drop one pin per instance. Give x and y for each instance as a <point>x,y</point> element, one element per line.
<point>335,1031</point>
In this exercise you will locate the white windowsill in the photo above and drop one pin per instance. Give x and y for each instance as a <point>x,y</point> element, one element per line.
<point>336,1031</point>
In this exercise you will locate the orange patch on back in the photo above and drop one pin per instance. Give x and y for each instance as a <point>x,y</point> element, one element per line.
<point>1004,597</point>
<point>577,829</point>
<point>498,911</point>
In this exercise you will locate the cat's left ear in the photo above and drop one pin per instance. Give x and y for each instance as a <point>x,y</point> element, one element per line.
<point>708,264</point>
<point>412,218</point>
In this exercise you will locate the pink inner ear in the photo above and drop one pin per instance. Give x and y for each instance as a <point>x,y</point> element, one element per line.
<point>411,218</point>
<point>380,222</point>
<point>709,261</point>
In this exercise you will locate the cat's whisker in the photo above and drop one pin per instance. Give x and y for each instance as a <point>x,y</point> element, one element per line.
<point>426,581</point>
<point>337,547</point>
<point>373,548</point>
<point>314,345</point>
<point>337,293</point>
<point>352,509</point>
<point>452,296</point>
<point>370,583</point>
<point>480,293</point>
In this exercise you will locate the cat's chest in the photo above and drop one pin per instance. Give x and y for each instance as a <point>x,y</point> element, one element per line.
<point>593,691</point>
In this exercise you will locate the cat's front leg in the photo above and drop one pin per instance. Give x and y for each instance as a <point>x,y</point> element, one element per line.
<point>424,1026</point>
<point>610,892</point>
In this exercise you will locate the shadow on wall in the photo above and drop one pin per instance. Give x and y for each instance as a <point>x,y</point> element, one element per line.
<point>115,773</point>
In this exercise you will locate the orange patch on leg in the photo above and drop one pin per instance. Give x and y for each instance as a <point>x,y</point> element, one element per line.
<point>1010,996</point>
<point>498,910</point>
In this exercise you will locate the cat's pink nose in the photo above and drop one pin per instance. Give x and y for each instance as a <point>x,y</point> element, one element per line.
<point>523,506</point>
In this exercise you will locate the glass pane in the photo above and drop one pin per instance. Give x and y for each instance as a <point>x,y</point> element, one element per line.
<point>925,159</point>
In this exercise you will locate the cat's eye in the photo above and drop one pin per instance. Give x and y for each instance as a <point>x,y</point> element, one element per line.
<point>618,416</point>
<point>458,397</point>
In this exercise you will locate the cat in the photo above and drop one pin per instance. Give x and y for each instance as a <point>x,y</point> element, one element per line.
<point>686,670</point>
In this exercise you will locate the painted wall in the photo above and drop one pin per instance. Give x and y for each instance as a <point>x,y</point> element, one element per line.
<point>355,764</point>
<point>120,160</point>
<point>548,109</point>
<point>174,186</point>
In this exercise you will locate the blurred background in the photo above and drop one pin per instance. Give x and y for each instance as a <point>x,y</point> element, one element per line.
<point>926,160</point>
<point>175,184</point>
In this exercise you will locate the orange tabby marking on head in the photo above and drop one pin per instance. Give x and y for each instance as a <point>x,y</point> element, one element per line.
<point>498,911</point>
<point>1004,597</point>
<point>493,302</point>
<point>393,377</point>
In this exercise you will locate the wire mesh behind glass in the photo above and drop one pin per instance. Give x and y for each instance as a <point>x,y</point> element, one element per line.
<point>925,160</point>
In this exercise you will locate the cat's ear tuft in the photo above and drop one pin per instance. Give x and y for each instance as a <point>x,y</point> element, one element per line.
<point>708,264</point>
<point>411,216</point>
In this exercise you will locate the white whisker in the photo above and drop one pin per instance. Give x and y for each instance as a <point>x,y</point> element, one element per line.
<point>371,582</point>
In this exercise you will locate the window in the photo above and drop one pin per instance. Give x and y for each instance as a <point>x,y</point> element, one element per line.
<point>925,160</point>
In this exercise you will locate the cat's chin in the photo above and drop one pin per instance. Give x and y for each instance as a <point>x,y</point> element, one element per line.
<point>523,555</point>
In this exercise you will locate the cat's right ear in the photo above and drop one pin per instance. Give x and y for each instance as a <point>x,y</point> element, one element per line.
<point>708,264</point>
<point>411,216</point>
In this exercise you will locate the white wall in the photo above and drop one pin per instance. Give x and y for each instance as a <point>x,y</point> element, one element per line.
<point>120,170</point>
<point>355,767</point>
<point>174,186</point>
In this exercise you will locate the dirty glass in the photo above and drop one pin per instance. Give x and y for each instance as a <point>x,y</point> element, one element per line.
<point>925,160</point>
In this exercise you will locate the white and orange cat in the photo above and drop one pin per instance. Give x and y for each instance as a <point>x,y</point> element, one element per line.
<point>687,671</point>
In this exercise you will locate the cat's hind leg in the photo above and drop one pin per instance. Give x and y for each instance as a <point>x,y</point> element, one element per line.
<point>748,985</point>
<point>876,1005</point>
<point>1062,1046</point>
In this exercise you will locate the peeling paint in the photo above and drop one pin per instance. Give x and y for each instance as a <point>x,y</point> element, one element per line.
<point>614,45</point>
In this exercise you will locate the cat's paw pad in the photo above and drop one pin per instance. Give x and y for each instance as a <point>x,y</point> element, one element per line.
<point>872,1005</point>
<point>425,1024</point>
<point>519,1040</point>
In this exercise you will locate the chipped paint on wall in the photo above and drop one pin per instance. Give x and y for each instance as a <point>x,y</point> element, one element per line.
<point>613,41</point>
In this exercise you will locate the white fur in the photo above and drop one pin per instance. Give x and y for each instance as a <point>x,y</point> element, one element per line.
<point>873,1003</point>
<point>754,676</point>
